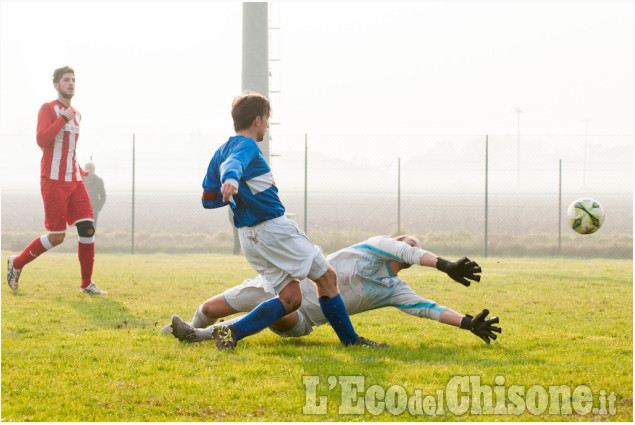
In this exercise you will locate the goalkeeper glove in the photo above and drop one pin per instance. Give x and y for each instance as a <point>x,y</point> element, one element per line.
<point>480,326</point>
<point>460,270</point>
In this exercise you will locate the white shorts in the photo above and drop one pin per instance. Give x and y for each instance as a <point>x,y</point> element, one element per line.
<point>281,253</point>
<point>248,295</point>
<point>251,293</point>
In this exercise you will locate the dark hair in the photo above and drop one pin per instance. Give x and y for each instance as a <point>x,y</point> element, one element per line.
<point>57,74</point>
<point>248,106</point>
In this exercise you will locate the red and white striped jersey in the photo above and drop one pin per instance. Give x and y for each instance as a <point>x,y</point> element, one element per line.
<point>58,141</point>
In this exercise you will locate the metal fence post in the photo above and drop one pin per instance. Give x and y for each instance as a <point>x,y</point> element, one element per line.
<point>133,194</point>
<point>486,193</point>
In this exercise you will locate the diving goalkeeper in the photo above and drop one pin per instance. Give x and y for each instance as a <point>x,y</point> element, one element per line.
<point>368,279</point>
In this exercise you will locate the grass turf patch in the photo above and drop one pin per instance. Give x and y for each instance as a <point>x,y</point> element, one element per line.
<point>67,356</point>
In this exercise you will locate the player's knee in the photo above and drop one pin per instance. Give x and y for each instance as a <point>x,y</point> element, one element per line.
<point>331,276</point>
<point>56,238</point>
<point>207,308</point>
<point>85,229</point>
<point>291,303</point>
<point>291,298</point>
<point>216,307</point>
<point>294,304</point>
<point>328,281</point>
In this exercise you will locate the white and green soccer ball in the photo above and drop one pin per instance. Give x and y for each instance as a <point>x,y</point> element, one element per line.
<point>585,216</point>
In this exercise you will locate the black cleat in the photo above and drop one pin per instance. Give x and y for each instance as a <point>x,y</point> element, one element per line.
<point>368,343</point>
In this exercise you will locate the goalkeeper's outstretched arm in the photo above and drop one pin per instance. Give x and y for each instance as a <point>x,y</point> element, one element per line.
<point>460,270</point>
<point>479,325</point>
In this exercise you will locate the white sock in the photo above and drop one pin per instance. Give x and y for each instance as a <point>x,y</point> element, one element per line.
<point>200,320</point>
<point>204,334</point>
<point>44,239</point>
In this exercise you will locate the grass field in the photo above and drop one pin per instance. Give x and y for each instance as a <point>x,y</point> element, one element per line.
<point>70,357</point>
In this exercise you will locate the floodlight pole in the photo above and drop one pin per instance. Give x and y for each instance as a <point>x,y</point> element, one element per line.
<point>399,196</point>
<point>560,206</point>
<point>255,72</point>
<point>586,128</point>
<point>306,184</point>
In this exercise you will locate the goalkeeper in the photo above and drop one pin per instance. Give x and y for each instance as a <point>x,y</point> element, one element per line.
<point>368,279</point>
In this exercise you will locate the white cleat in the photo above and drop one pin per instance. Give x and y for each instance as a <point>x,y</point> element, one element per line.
<point>13,274</point>
<point>92,289</point>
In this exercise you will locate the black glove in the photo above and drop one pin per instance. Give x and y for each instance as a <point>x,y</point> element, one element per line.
<point>460,270</point>
<point>480,326</point>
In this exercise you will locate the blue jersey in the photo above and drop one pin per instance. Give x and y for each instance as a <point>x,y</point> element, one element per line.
<point>257,200</point>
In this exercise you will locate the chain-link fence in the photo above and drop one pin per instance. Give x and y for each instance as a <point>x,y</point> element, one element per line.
<point>461,195</point>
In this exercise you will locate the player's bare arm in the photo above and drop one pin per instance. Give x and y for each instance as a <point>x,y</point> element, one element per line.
<point>460,270</point>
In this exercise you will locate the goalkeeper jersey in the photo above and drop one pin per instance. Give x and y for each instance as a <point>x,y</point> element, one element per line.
<point>240,159</point>
<point>365,281</point>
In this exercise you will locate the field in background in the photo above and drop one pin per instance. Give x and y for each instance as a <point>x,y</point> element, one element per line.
<point>433,186</point>
<point>171,222</point>
<point>70,357</point>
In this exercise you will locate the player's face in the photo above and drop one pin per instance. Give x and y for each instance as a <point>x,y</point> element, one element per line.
<point>262,128</point>
<point>413,243</point>
<point>66,86</point>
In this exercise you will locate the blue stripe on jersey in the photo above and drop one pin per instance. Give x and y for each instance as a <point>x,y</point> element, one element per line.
<point>378,251</point>
<point>432,306</point>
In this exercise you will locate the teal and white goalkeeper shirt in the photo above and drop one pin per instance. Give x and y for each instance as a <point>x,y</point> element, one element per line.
<point>365,281</point>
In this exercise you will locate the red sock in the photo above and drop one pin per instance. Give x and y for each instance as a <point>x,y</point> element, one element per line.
<point>31,252</point>
<point>86,254</point>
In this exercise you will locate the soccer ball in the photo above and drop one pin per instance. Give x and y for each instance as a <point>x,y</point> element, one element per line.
<point>585,216</point>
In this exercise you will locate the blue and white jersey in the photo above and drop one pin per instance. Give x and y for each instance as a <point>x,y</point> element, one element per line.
<point>366,283</point>
<point>257,200</point>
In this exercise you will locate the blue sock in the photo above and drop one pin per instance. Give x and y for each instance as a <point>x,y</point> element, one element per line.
<point>259,318</point>
<point>335,312</point>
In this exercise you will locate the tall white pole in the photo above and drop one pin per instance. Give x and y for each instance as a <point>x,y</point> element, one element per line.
<point>586,129</point>
<point>255,72</point>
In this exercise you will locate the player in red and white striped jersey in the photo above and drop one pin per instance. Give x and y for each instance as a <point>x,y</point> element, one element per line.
<point>66,201</point>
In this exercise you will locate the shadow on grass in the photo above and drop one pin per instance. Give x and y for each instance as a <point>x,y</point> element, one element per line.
<point>104,312</point>
<point>427,352</point>
<point>384,361</point>
<point>16,293</point>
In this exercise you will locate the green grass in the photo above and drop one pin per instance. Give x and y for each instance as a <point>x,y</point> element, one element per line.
<point>597,245</point>
<point>70,357</point>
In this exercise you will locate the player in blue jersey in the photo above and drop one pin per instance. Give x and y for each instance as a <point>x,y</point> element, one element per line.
<point>368,279</point>
<point>239,176</point>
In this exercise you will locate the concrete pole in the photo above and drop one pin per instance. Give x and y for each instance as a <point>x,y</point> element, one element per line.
<point>586,131</point>
<point>255,73</point>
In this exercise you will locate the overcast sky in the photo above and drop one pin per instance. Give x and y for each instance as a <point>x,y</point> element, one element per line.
<point>419,67</point>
